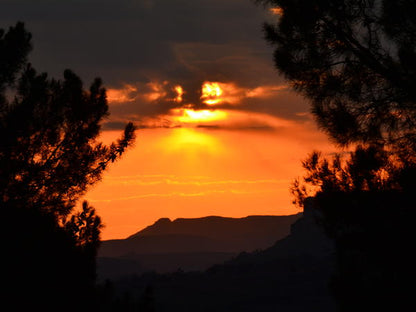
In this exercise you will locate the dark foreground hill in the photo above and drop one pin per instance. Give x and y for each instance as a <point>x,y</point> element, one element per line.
<point>290,276</point>
<point>190,244</point>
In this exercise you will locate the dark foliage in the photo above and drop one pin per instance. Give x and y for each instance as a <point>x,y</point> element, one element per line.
<point>49,155</point>
<point>368,206</point>
<point>355,61</point>
<point>119,298</point>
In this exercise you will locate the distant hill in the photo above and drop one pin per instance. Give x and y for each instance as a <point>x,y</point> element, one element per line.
<point>190,244</point>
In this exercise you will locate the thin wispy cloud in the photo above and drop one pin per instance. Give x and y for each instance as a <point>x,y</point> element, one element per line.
<point>197,181</point>
<point>180,194</point>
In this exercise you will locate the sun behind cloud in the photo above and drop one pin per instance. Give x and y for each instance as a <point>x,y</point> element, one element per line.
<point>210,104</point>
<point>211,93</point>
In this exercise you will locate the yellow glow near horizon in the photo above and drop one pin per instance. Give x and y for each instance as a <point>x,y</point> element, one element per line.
<point>205,115</point>
<point>191,144</point>
<point>211,93</point>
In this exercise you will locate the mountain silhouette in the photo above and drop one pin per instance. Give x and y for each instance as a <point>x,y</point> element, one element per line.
<point>291,275</point>
<point>190,244</point>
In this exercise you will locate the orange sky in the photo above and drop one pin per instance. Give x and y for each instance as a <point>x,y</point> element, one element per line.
<point>220,133</point>
<point>209,161</point>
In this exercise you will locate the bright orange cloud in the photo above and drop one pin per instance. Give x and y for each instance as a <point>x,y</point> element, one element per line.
<point>157,91</point>
<point>214,93</point>
<point>164,105</point>
<point>179,91</point>
<point>264,91</point>
<point>126,94</point>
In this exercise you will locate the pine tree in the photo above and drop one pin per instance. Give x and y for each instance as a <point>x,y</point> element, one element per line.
<point>354,60</point>
<point>49,155</point>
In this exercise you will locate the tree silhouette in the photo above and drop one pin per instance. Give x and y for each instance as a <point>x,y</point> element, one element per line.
<point>355,61</point>
<point>367,206</point>
<point>49,155</point>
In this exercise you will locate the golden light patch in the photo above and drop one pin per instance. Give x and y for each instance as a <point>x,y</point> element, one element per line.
<point>191,144</point>
<point>205,115</point>
<point>189,136</point>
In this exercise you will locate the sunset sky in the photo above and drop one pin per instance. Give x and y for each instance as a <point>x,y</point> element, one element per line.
<point>220,132</point>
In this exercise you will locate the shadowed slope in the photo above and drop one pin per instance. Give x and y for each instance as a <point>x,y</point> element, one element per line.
<point>192,244</point>
<point>292,275</point>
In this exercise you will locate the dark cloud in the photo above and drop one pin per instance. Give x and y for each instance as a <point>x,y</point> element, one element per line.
<point>130,39</point>
<point>139,42</point>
